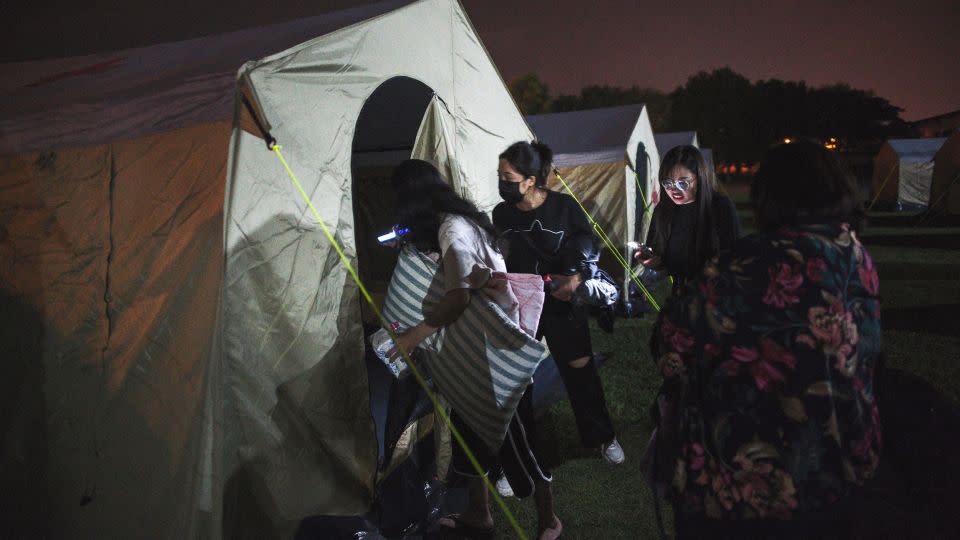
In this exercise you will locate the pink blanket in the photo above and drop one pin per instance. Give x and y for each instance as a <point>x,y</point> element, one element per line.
<point>519,295</point>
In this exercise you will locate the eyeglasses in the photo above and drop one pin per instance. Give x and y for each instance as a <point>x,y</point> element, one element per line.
<point>680,184</point>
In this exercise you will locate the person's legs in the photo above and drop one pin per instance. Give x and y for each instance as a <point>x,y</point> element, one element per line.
<point>478,514</point>
<point>572,350</point>
<point>522,462</point>
<point>548,524</point>
<point>478,506</point>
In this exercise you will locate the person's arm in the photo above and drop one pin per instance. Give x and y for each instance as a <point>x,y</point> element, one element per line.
<point>579,245</point>
<point>449,309</point>
<point>457,239</point>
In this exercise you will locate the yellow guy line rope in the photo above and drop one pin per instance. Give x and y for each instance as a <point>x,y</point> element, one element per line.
<point>413,368</point>
<point>879,191</point>
<point>606,240</point>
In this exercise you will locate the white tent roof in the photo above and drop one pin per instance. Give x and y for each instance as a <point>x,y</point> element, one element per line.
<point>667,141</point>
<point>80,101</point>
<point>917,149</point>
<point>589,136</point>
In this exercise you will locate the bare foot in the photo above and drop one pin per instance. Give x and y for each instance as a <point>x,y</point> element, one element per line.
<point>454,521</point>
<point>553,531</point>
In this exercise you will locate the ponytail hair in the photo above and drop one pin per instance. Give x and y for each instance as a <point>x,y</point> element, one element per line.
<point>530,159</point>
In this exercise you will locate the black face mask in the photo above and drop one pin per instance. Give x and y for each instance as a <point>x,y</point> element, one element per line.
<point>510,191</point>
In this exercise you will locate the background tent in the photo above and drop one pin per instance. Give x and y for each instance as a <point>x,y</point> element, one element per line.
<point>902,172</point>
<point>708,158</point>
<point>112,173</point>
<point>609,159</point>
<point>666,141</point>
<point>945,185</point>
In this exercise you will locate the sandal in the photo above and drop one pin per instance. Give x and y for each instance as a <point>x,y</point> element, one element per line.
<point>462,529</point>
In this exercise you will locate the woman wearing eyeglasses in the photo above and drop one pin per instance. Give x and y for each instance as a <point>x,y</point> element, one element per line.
<point>693,222</point>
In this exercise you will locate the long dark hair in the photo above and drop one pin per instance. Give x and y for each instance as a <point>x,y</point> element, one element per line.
<point>802,183</point>
<point>706,243</point>
<point>423,197</point>
<point>530,159</point>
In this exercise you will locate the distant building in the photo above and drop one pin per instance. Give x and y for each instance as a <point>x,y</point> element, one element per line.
<point>941,125</point>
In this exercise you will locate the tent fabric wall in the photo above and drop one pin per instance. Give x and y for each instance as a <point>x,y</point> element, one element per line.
<point>886,174</point>
<point>945,186</point>
<point>112,172</point>
<point>601,189</point>
<point>290,334</point>
<point>52,273</point>
<point>120,276</point>
<point>903,171</point>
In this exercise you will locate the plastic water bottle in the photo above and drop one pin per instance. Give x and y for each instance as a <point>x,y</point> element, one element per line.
<point>381,342</point>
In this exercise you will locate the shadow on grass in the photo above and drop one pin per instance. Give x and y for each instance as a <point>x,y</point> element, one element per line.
<point>913,495</point>
<point>939,319</point>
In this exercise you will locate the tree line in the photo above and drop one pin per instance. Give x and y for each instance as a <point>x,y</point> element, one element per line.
<point>735,117</point>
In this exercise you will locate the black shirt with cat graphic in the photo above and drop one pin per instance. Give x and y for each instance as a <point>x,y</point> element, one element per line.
<point>537,237</point>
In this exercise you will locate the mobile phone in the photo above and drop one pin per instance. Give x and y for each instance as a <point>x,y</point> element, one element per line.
<point>394,233</point>
<point>645,252</point>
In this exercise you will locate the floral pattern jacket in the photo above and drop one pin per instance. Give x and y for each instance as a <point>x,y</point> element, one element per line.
<point>770,356</point>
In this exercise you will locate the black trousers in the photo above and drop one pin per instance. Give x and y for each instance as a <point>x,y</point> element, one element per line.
<point>568,337</point>
<point>518,457</point>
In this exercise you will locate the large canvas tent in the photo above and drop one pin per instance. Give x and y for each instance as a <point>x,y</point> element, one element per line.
<point>945,184</point>
<point>609,159</point>
<point>669,140</point>
<point>903,171</point>
<point>157,379</point>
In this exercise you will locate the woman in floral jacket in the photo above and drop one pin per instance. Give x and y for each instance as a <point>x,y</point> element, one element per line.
<point>769,361</point>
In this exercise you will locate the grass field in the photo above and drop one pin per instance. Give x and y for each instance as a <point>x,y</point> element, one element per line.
<point>920,288</point>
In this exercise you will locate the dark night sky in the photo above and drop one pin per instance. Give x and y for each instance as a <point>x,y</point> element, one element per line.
<point>906,52</point>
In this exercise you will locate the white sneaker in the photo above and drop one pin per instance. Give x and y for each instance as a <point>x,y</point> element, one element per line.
<point>613,452</point>
<point>503,486</point>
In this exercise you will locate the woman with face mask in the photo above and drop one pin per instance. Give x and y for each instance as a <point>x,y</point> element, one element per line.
<point>693,222</point>
<point>541,226</point>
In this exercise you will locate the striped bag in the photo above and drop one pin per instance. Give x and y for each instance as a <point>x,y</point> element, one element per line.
<point>481,363</point>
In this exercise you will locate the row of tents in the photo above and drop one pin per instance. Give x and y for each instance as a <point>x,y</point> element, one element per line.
<point>184,351</point>
<point>918,175</point>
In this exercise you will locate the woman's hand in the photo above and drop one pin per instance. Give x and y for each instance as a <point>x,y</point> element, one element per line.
<point>651,262</point>
<point>564,286</point>
<point>410,340</point>
<point>645,256</point>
